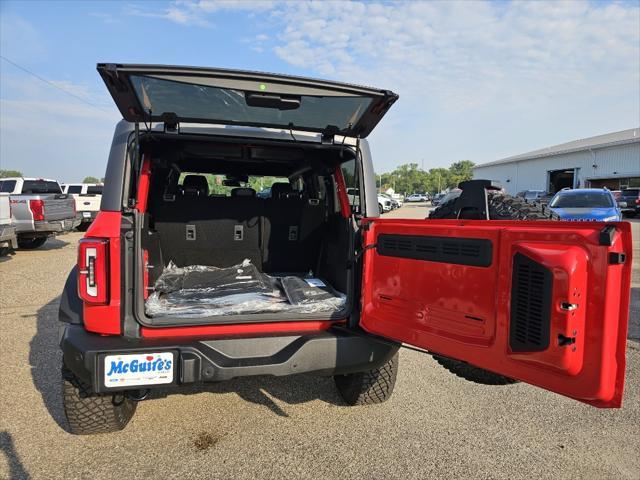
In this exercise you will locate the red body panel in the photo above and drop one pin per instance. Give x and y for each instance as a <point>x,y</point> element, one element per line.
<point>143,184</point>
<point>105,319</point>
<point>238,329</point>
<point>463,311</point>
<point>345,208</point>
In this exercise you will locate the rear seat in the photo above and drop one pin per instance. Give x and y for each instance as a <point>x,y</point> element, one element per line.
<point>197,229</point>
<point>291,232</point>
<point>281,234</point>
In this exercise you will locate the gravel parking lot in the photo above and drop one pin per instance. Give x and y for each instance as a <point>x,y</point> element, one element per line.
<point>435,425</point>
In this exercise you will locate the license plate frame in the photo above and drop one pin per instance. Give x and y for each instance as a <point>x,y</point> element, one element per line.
<point>119,379</point>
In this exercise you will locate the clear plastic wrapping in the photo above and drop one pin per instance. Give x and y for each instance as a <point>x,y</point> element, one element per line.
<point>203,291</point>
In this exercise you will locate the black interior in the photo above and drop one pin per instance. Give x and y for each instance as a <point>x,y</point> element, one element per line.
<point>299,229</point>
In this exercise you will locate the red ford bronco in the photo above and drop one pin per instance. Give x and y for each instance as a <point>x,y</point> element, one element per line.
<point>227,245</point>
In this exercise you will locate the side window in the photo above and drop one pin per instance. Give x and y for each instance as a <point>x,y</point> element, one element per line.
<point>74,189</point>
<point>352,182</point>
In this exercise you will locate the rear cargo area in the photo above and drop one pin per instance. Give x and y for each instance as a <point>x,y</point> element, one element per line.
<point>212,257</point>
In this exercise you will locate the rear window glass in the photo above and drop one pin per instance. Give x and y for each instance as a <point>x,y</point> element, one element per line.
<point>74,189</point>
<point>40,186</point>
<point>582,200</point>
<point>96,190</point>
<point>229,106</point>
<point>632,192</point>
<point>7,186</point>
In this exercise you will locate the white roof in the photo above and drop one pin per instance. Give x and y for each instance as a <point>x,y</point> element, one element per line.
<point>599,141</point>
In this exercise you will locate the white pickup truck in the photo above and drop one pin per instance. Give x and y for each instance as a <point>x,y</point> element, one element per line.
<point>87,197</point>
<point>8,240</point>
<point>39,209</point>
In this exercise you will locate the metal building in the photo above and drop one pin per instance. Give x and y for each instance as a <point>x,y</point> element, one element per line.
<point>611,160</point>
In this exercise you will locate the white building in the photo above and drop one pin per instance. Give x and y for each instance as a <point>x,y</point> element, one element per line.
<point>611,160</point>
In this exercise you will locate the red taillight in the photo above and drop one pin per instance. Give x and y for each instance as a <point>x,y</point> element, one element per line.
<point>93,270</point>
<point>37,209</point>
<point>637,201</point>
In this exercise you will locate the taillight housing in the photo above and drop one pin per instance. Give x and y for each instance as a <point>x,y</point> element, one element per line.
<point>93,270</point>
<point>638,201</point>
<point>37,209</point>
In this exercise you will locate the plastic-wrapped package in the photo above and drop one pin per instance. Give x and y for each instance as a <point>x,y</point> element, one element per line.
<point>202,291</point>
<point>305,291</point>
<point>244,278</point>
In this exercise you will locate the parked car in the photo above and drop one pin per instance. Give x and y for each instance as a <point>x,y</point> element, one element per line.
<point>532,195</point>
<point>87,197</point>
<point>8,239</point>
<point>629,201</point>
<point>595,204</point>
<point>414,197</point>
<point>134,319</point>
<point>437,198</point>
<point>39,209</point>
<point>384,204</point>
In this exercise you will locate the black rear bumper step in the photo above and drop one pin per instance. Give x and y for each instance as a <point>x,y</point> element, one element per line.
<point>335,351</point>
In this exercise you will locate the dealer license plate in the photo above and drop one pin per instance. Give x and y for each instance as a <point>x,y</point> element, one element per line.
<point>138,369</point>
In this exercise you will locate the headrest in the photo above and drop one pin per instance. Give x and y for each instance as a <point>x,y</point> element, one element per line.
<point>243,192</point>
<point>195,185</point>
<point>280,189</point>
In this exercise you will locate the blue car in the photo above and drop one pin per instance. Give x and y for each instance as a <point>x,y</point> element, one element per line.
<point>586,204</point>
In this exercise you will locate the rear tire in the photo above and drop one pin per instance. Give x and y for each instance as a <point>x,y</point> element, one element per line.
<point>380,209</point>
<point>83,227</point>
<point>31,243</point>
<point>370,387</point>
<point>501,207</point>
<point>88,413</point>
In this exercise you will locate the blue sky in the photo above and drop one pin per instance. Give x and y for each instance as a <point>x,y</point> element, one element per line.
<point>477,80</point>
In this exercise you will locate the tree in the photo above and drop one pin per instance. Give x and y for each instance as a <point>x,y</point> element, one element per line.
<point>10,173</point>
<point>460,171</point>
<point>91,180</point>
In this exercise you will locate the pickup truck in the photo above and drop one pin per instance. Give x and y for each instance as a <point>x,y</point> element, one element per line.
<point>87,197</point>
<point>629,201</point>
<point>8,239</point>
<point>39,209</point>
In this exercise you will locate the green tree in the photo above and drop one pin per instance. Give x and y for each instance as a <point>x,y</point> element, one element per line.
<point>91,180</point>
<point>10,173</point>
<point>460,171</point>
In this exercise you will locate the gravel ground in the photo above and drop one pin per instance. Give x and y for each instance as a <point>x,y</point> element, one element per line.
<point>435,425</point>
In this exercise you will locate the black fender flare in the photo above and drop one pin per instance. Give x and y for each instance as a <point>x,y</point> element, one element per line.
<point>70,310</point>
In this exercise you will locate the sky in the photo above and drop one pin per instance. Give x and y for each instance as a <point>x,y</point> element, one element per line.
<point>477,80</point>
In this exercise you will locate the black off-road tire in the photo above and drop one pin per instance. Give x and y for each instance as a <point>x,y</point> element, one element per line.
<point>501,207</point>
<point>83,227</point>
<point>31,243</point>
<point>370,387</point>
<point>88,413</point>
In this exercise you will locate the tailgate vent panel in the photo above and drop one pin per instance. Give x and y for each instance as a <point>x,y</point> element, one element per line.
<point>531,288</point>
<point>476,252</point>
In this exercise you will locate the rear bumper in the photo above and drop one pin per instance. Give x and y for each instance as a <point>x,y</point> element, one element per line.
<point>87,216</point>
<point>8,237</point>
<point>335,351</point>
<point>56,226</point>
